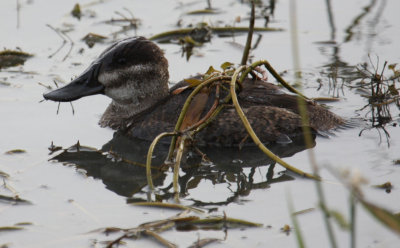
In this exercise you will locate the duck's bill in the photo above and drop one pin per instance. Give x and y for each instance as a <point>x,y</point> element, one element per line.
<point>84,85</point>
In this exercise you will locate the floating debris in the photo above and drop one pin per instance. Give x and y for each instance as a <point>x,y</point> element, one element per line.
<point>91,39</point>
<point>204,12</point>
<point>167,205</point>
<point>203,242</point>
<point>180,222</point>
<point>217,223</point>
<point>382,93</point>
<point>52,148</point>
<point>3,83</point>
<point>15,151</point>
<point>66,39</point>
<point>10,58</point>
<point>23,224</point>
<point>76,11</point>
<point>3,174</point>
<point>126,23</point>
<point>14,200</point>
<point>286,229</point>
<point>386,186</point>
<point>204,30</point>
<point>10,228</point>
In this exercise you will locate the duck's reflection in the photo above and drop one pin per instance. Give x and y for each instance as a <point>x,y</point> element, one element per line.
<point>120,164</point>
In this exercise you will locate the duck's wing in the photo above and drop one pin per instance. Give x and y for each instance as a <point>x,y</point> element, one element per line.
<point>261,93</point>
<point>271,124</point>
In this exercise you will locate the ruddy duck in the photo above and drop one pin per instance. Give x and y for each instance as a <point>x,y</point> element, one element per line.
<point>134,73</point>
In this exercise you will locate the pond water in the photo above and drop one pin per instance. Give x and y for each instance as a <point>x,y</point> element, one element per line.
<point>70,200</point>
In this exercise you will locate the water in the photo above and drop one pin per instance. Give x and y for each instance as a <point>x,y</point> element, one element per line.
<point>68,202</point>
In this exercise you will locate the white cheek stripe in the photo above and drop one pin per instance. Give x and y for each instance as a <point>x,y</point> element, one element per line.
<point>108,77</point>
<point>123,93</point>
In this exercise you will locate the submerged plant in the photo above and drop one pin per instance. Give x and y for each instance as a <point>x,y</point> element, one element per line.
<point>383,93</point>
<point>10,58</point>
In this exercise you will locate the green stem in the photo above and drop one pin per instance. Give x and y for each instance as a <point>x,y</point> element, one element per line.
<point>177,164</point>
<point>251,132</point>
<point>186,107</point>
<point>274,73</point>
<point>297,230</point>
<point>352,221</point>
<point>249,36</point>
<point>150,155</point>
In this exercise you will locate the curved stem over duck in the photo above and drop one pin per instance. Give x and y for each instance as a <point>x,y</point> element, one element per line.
<point>274,73</point>
<point>250,130</point>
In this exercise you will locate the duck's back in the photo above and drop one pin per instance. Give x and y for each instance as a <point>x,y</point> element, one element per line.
<point>272,113</point>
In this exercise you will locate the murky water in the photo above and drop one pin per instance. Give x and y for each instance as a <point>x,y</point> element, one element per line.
<point>69,201</point>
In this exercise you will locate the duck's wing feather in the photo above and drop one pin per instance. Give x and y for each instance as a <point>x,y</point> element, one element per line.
<point>266,94</point>
<point>271,124</point>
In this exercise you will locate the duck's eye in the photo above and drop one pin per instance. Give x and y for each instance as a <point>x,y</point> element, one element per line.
<point>121,61</point>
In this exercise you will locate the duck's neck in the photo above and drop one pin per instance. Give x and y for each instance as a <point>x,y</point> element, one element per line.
<point>133,97</point>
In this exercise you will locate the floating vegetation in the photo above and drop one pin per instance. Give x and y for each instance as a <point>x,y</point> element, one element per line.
<point>91,39</point>
<point>196,35</point>
<point>52,148</point>
<point>204,12</point>
<point>3,174</point>
<point>218,222</point>
<point>24,224</point>
<point>76,11</point>
<point>10,228</point>
<point>182,222</point>
<point>126,23</point>
<point>383,92</point>
<point>203,30</point>
<point>286,229</point>
<point>15,151</point>
<point>203,242</point>
<point>65,39</point>
<point>3,83</point>
<point>386,186</point>
<point>10,58</point>
<point>14,199</point>
<point>167,205</point>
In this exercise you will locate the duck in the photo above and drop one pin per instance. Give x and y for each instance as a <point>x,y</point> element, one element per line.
<point>133,72</point>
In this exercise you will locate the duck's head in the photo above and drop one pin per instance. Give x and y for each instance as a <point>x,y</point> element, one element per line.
<point>121,72</point>
<point>133,72</point>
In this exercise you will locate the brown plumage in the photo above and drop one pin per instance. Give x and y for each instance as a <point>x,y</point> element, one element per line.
<point>134,73</point>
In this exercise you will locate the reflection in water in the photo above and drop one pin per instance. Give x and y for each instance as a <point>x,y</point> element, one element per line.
<point>120,164</point>
<point>338,70</point>
<point>357,20</point>
<point>372,85</point>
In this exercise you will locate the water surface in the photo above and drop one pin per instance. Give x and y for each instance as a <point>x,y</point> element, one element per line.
<point>70,201</point>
